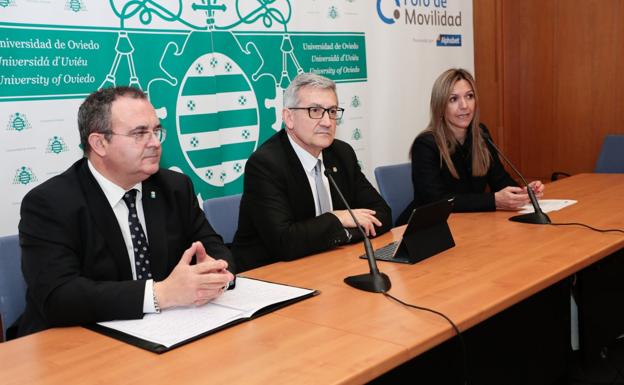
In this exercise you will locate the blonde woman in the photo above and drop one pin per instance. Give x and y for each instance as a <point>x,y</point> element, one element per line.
<point>451,158</point>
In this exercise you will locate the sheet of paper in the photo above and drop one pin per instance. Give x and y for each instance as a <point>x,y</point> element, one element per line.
<point>172,326</point>
<point>252,295</point>
<point>548,205</point>
<point>176,325</point>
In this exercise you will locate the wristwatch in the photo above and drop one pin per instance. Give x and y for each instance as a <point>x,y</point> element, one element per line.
<point>156,305</point>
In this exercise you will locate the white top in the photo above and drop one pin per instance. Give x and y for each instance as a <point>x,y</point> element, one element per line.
<point>114,195</point>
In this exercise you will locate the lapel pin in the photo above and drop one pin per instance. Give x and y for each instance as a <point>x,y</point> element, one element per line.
<point>153,194</point>
<point>335,169</point>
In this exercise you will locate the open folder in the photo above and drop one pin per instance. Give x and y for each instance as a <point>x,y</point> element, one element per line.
<point>177,326</point>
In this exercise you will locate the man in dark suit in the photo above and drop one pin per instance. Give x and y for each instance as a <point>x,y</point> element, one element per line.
<point>288,209</point>
<point>84,253</point>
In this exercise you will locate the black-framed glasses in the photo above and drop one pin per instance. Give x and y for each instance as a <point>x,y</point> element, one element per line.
<point>318,112</point>
<point>144,136</point>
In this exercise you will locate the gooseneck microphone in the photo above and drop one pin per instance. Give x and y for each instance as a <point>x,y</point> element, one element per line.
<point>538,217</point>
<point>374,281</point>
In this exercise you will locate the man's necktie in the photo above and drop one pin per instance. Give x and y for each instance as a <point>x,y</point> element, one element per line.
<point>139,241</point>
<point>321,191</point>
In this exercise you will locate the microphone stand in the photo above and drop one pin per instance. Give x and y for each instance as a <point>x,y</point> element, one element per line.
<point>374,281</point>
<point>538,217</point>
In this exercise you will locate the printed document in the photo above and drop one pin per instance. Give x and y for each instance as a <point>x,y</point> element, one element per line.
<point>176,325</point>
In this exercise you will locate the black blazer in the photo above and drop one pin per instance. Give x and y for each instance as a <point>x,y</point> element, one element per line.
<point>74,258</point>
<point>433,181</point>
<point>277,220</point>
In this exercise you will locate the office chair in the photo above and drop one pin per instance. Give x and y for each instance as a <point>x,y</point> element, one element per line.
<point>611,156</point>
<point>395,186</point>
<point>222,213</point>
<point>12,284</point>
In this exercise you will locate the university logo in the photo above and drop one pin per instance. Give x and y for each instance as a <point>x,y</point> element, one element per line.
<point>218,109</point>
<point>56,145</point>
<point>24,175</point>
<point>355,102</point>
<point>357,134</point>
<point>75,5</point>
<point>385,16</point>
<point>18,122</point>
<point>7,3</point>
<point>215,91</point>
<point>332,13</point>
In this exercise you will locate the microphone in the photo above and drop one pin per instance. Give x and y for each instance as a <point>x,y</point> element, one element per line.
<point>538,217</point>
<point>374,281</point>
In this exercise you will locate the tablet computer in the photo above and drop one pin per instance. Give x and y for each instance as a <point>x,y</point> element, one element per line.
<point>427,233</point>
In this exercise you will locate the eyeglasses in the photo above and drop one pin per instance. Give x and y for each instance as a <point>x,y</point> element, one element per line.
<point>318,112</point>
<point>144,136</point>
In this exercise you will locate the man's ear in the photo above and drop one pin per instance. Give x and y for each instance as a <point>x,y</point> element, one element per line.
<point>288,119</point>
<point>98,143</point>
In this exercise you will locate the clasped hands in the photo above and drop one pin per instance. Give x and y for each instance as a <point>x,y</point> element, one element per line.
<point>366,217</point>
<point>195,284</point>
<point>513,198</point>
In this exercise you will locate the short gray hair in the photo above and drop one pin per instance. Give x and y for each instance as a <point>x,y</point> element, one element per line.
<point>307,79</point>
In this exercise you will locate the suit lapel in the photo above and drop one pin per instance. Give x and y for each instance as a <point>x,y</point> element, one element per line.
<point>301,183</point>
<point>104,220</point>
<point>154,209</point>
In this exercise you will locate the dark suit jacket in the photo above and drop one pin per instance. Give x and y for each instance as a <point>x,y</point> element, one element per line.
<point>433,181</point>
<point>277,219</point>
<point>74,258</point>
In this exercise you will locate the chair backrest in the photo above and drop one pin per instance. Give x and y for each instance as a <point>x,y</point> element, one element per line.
<point>395,186</point>
<point>611,156</point>
<point>222,213</point>
<point>12,284</point>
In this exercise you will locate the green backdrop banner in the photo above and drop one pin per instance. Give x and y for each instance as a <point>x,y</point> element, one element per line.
<point>215,70</point>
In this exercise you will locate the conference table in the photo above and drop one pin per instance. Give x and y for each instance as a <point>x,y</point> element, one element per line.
<point>346,336</point>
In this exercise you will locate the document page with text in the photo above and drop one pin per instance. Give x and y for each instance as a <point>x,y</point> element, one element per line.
<point>177,325</point>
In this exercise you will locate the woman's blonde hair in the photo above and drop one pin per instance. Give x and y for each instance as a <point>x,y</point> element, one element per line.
<point>438,126</point>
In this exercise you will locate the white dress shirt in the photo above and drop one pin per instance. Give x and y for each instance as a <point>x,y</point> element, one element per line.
<point>114,195</point>
<point>309,162</point>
